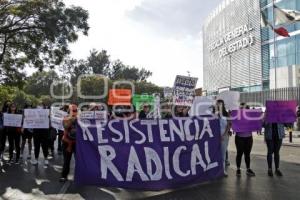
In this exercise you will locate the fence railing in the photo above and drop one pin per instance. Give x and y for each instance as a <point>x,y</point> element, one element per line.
<point>278,94</point>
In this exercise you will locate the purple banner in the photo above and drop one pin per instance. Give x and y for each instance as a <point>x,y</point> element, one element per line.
<point>281,111</point>
<point>148,154</point>
<point>246,120</point>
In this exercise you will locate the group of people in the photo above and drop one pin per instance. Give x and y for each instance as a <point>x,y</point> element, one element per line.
<point>273,134</point>
<point>66,140</point>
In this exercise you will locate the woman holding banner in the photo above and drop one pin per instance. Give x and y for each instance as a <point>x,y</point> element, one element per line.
<point>225,125</point>
<point>243,143</point>
<point>69,139</point>
<point>14,137</point>
<point>274,134</point>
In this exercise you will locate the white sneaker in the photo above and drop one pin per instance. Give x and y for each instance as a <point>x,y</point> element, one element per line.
<point>46,162</point>
<point>225,174</point>
<point>34,162</point>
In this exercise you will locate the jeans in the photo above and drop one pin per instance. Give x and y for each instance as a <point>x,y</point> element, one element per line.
<point>224,146</point>
<point>243,147</point>
<point>273,148</point>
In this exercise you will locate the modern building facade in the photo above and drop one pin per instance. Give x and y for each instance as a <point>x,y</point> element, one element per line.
<point>239,54</point>
<point>280,62</point>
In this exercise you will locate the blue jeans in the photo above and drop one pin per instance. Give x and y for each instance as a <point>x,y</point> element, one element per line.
<point>224,146</point>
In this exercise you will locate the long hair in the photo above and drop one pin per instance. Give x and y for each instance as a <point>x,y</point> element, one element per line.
<point>10,110</point>
<point>220,106</point>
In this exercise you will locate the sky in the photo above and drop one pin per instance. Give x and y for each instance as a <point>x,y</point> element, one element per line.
<point>163,36</point>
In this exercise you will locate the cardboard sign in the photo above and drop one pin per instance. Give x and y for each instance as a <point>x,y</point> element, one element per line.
<point>139,100</point>
<point>281,111</point>
<point>12,120</point>
<point>57,117</point>
<point>119,97</point>
<point>202,106</point>
<point>247,120</point>
<point>36,118</point>
<point>184,90</point>
<point>168,92</point>
<point>87,115</point>
<point>231,99</point>
<point>100,116</point>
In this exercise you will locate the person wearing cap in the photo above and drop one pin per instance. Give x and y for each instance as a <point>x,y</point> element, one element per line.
<point>144,113</point>
<point>69,140</point>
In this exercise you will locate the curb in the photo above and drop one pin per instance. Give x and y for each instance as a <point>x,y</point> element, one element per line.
<point>291,144</point>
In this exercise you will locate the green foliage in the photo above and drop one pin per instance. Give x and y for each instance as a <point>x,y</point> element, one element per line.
<point>36,33</point>
<point>120,71</point>
<point>39,83</point>
<point>6,93</point>
<point>99,62</point>
<point>94,86</point>
<point>147,88</point>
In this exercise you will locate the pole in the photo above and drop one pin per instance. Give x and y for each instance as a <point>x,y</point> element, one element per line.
<point>249,84</point>
<point>230,72</point>
<point>275,50</point>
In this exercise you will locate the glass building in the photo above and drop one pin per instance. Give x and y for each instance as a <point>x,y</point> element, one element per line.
<point>280,62</point>
<point>248,61</point>
<point>232,47</point>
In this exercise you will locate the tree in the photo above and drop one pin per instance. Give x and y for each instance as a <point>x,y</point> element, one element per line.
<point>36,33</point>
<point>74,68</point>
<point>120,71</point>
<point>39,83</point>
<point>99,62</point>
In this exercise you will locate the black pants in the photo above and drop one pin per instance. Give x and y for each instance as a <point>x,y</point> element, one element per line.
<point>14,140</point>
<point>273,148</point>
<point>3,136</point>
<point>40,139</point>
<point>243,147</point>
<point>67,159</point>
<point>59,141</point>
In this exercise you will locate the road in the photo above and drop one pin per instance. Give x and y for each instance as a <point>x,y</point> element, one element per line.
<point>25,181</point>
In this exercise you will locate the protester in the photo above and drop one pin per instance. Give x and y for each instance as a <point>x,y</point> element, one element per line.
<point>244,143</point>
<point>3,131</point>
<point>27,134</point>
<point>274,134</point>
<point>60,132</point>
<point>145,112</point>
<point>182,111</point>
<point>69,140</point>
<point>51,141</point>
<point>225,125</point>
<point>14,137</point>
<point>123,112</point>
<point>41,140</point>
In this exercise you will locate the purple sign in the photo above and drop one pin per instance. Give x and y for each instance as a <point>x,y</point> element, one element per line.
<point>148,154</point>
<point>281,111</point>
<point>246,120</point>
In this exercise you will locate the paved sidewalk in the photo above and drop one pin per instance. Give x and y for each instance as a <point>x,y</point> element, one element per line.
<point>286,140</point>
